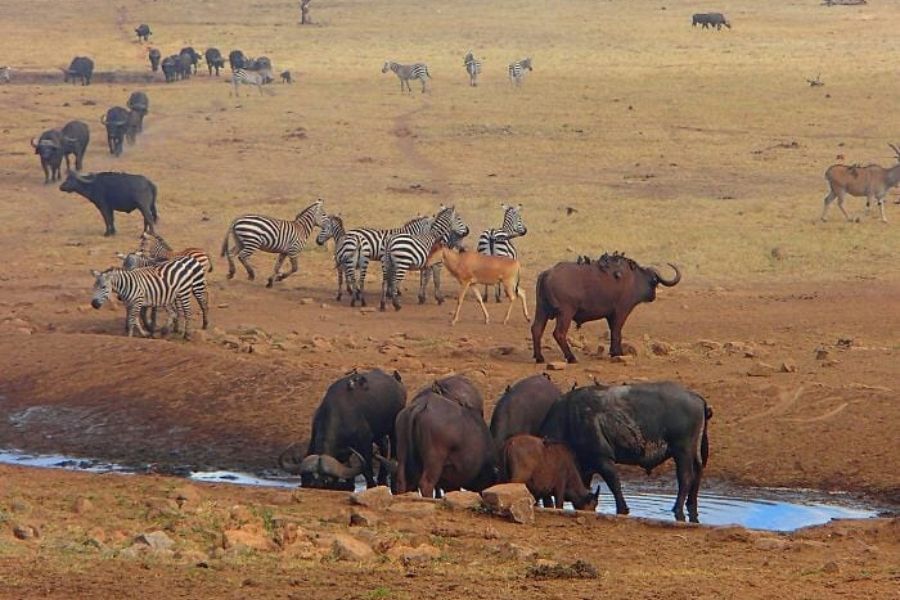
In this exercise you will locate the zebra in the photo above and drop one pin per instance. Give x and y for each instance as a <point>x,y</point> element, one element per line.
<point>169,285</point>
<point>248,77</point>
<point>473,68</point>
<point>154,246</point>
<point>406,72</point>
<point>284,238</point>
<point>333,228</point>
<point>517,70</point>
<point>496,242</point>
<point>409,251</point>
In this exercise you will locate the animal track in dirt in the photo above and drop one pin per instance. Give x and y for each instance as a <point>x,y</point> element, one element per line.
<point>405,140</point>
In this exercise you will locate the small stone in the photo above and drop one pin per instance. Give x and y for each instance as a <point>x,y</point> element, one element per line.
<point>510,551</point>
<point>222,305</point>
<point>156,540</point>
<point>377,498</point>
<point>367,309</point>
<point>185,495</point>
<point>346,547</point>
<point>760,369</point>
<point>463,500</point>
<point>82,505</point>
<point>24,532</point>
<point>512,500</point>
<point>248,536</point>
<point>788,366</point>
<point>661,348</point>
<point>362,518</point>
<point>424,553</point>
<point>831,567</point>
<point>556,366</point>
<point>306,300</point>
<point>414,509</point>
<point>490,533</point>
<point>709,345</point>
<point>821,353</point>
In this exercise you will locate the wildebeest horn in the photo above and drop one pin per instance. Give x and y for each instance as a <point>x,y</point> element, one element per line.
<point>669,282</point>
<point>332,467</point>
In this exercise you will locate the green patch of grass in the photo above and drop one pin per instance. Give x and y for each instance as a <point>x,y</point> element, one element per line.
<point>380,592</point>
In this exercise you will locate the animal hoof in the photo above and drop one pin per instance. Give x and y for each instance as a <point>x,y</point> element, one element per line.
<point>572,360</point>
<point>230,276</point>
<point>539,360</point>
<point>269,284</point>
<point>421,299</point>
<point>439,301</point>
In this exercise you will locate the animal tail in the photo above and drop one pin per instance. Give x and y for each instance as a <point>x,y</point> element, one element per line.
<point>542,304</point>
<point>408,463</point>
<point>225,241</point>
<point>153,210</point>
<point>427,74</point>
<point>704,439</point>
<point>503,463</point>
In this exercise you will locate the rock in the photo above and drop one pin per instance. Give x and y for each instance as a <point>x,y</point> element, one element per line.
<point>378,498</point>
<point>760,369</point>
<point>240,514</point>
<point>737,348</point>
<point>510,551</point>
<point>346,547</point>
<point>709,345</point>
<point>362,518</point>
<point>247,536</point>
<point>463,500</point>
<point>512,500</point>
<point>490,533</point>
<point>629,349</point>
<point>82,505</point>
<point>156,540</point>
<point>306,300</point>
<point>285,532</point>
<point>622,360</point>
<point>831,567</point>
<point>821,353</point>
<point>557,365</point>
<point>845,343</point>
<point>661,348</point>
<point>788,366</point>
<point>421,554</point>
<point>770,543</point>
<point>833,362</point>
<point>367,309</point>
<point>25,532</point>
<point>414,509</point>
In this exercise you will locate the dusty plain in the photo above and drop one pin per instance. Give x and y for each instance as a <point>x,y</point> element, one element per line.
<point>635,132</point>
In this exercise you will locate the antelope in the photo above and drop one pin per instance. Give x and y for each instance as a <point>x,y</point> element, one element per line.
<point>871,181</point>
<point>470,268</point>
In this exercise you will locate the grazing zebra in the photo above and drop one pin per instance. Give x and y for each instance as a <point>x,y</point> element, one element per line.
<point>248,77</point>
<point>284,238</point>
<point>473,68</point>
<point>517,70</point>
<point>496,242</point>
<point>333,228</point>
<point>406,72</point>
<point>409,251</point>
<point>169,285</point>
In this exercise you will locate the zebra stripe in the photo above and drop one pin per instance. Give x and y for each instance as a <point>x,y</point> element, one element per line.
<point>248,77</point>
<point>284,238</point>
<point>406,72</point>
<point>407,251</point>
<point>169,285</point>
<point>497,242</point>
<point>517,70</point>
<point>473,68</point>
<point>333,228</point>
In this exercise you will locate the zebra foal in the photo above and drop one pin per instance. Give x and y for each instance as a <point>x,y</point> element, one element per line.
<point>497,242</point>
<point>517,70</point>
<point>284,238</point>
<point>406,72</point>
<point>473,68</point>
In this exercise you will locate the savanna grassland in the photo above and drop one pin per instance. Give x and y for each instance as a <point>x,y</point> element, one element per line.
<point>634,132</point>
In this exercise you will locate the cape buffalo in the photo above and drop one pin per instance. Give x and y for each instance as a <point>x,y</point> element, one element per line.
<point>214,60</point>
<point>546,468</point>
<point>170,68</point>
<point>460,390</point>
<point>523,407</point>
<point>184,64</point>
<point>50,148</point>
<point>444,445</point>
<point>118,122</point>
<point>193,55</point>
<point>642,424</point>
<point>236,59</point>
<point>357,411</point>
<point>155,57</point>
<point>140,106</point>
<point>143,32</point>
<point>609,288</point>
<point>75,139</point>
<point>111,192</point>
<point>81,68</point>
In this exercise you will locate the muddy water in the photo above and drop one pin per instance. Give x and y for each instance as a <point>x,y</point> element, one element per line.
<point>754,508</point>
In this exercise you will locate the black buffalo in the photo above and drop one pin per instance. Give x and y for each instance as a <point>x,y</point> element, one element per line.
<point>214,60</point>
<point>111,192</point>
<point>357,412</point>
<point>642,424</point>
<point>170,68</point>
<point>143,31</point>
<point>184,64</point>
<point>119,123</point>
<point>139,104</point>
<point>194,56</point>
<point>75,139</point>
<point>522,409</point>
<point>50,148</point>
<point>236,59</point>
<point>155,57</point>
<point>707,20</point>
<point>460,390</point>
<point>81,68</point>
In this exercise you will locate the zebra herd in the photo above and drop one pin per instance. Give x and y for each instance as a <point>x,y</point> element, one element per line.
<point>419,71</point>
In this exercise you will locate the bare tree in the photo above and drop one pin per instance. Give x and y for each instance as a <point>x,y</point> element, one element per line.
<point>304,12</point>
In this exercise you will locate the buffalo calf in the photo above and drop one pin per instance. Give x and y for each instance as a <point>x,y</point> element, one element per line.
<point>546,468</point>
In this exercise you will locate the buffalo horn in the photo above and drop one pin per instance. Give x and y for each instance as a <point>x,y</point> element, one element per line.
<point>390,465</point>
<point>669,282</point>
<point>332,467</point>
<point>103,119</point>
<point>33,145</point>
<point>84,178</point>
<point>71,140</point>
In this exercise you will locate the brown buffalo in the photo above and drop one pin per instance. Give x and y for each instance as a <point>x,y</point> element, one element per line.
<point>546,468</point>
<point>609,288</point>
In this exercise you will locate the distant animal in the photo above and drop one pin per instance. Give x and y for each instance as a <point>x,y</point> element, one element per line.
<point>286,77</point>
<point>155,57</point>
<point>184,66</point>
<point>517,70</point>
<point>522,408</point>
<point>49,148</point>
<point>139,104</point>
<point>547,468</point>
<point>357,412</point>
<point>498,242</point>
<point>169,285</point>
<point>194,57</point>
<point>214,60</point>
<point>404,252</point>
<point>471,268</point>
<point>641,424</point>
<point>143,32</point>
<point>236,60</point>
<point>75,139</point>
<point>871,181</point>
<point>5,74</point>
<point>285,238</point>
<point>406,72</point>
<point>170,68</point>
<point>81,68</point>
<point>608,289</point>
<point>708,20</point>
<point>245,77</point>
<point>473,68</point>
<point>111,192</point>
<point>119,122</point>
<point>444,445</point>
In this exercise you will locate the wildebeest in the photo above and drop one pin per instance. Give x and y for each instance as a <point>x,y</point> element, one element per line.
<point>194,56</point>
<point>143,32</point>
<point>358,410</point>
<point>522,407</point>
<point>871,181</point>
<point>608,288</point>
<point>641,424</point>
<point>139,104</point>
<point>214,60</point>
<point>184,65</point>
<point>707,20</point>
<point>547,468</point>
<point>81,68</point>
<point>75,139</point>
<point>154,59</point>
<point>444,445</point>
<point>236,60</point>
<point>170,68</point>
<point>50,148</point>
<point>111,192</point>
<point>118,122</point>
